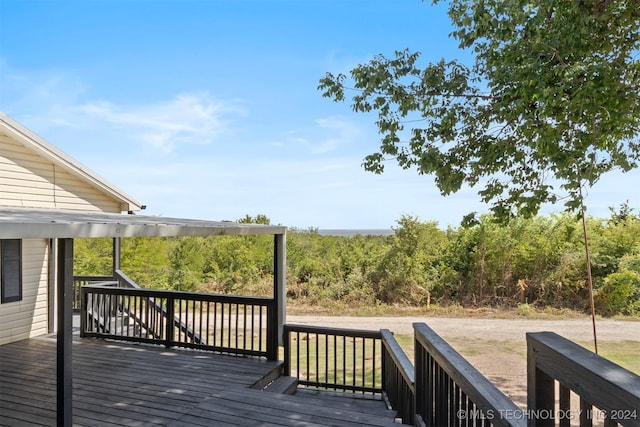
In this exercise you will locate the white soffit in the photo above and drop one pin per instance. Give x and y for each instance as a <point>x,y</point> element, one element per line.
<point>18,223</point>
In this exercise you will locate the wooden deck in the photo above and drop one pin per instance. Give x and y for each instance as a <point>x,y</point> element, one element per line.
<point>139,385</point>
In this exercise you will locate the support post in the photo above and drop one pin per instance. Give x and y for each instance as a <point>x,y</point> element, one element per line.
<point>279,282</point>
<point>116,255</point>
<point>51,294</point>
<point>65,333</point>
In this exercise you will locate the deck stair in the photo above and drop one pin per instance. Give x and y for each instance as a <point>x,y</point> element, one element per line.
<point>317,408</point>
<point>269,378</point>
<point>282,385</point>
<point>276,382</point>
<point>283,396</point>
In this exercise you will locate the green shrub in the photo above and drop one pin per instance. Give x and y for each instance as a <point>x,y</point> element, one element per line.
<point>620,294</point>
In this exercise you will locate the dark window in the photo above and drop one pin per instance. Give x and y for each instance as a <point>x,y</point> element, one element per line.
<point>11,270</point>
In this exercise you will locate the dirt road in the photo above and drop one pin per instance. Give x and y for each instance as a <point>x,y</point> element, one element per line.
<point>496,347</point>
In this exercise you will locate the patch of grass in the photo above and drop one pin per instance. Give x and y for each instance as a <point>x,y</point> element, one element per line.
<point>624,353</point>
<point>340,361</point>
<point>341,309</point>
<point>525,309</point>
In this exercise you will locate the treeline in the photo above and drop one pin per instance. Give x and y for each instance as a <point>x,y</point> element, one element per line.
<point>538,261</point>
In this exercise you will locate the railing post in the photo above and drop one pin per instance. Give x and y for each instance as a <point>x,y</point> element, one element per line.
<point>83,312</point>
<point>272,331</point>
<point>419,378</point>
<point>287,351</point>
<point>170,319</point>
<point>279,284</point>
<point>540,390</point>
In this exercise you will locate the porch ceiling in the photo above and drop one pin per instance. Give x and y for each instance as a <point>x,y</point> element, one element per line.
<point>19,223</point>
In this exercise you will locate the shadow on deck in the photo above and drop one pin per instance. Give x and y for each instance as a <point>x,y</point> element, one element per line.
<point>138,385</point>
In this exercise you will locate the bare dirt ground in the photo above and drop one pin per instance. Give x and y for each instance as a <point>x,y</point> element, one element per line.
<point>496,347</point>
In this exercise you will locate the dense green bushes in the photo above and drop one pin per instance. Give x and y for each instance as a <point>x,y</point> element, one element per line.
<point>538,261</point>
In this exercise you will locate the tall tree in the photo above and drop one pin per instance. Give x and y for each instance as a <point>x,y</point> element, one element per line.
<point>551,103</point>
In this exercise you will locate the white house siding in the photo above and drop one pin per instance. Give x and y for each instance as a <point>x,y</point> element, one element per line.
<point>28,318</point>
<point>29,180</point>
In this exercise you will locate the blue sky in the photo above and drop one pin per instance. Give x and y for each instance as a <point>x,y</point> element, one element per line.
<point>210,109</point>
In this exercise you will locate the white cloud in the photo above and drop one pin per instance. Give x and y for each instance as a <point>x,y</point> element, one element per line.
<point>341,133</point>
<point>187,119</point>
<point>60,99</point>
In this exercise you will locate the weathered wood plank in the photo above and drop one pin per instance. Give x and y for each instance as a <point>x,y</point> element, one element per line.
<point>117,384</point>
<point>363,403</point>
<point>253,403</point>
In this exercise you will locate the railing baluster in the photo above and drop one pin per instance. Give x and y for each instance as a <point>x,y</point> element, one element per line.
<point>308,353</point>
<point>452,415</point>
<point>244,326</point>
<point>455,417</point>
<point>237,325</point>
<point>298,354</point>
<point>344,360</point>
<point>191,330</point>
<point>215,323</point>
<point>326,359</point>
<point>207,339</point>
<point>107,313</point>
<point>180,321</point>
<point>586,413</point>
<point>373,376</point>
<point>353,363</point>
<point>222,334</point>
<point>564,406</point>
<point>364,343</point>
<point>335,360</point>
<point>147,313</point>
<point>317,358</point>
<point>253,324</point>
<point>229,320</point>
<point>260,340</point>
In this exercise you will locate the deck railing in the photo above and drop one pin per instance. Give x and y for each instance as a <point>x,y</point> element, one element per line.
<point>334,358</point>
<point>224,323</point>
<point>605,393</point>
<point>398,378</point>
<point>80,281</point>
<point>451,392</point>
<point>443,390</point>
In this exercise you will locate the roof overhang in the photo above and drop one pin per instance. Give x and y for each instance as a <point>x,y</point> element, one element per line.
<point>22,223</point>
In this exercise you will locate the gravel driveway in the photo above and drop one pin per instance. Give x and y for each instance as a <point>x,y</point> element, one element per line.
<point>496,347</point>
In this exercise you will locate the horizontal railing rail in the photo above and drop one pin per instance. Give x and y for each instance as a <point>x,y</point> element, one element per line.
<point>79,281</point>
<point>604,392</point>
<point>223,323</point>
<point>334,358</point>
<point>125,281</point>
<point>398,382</point>
<point>449,391</point>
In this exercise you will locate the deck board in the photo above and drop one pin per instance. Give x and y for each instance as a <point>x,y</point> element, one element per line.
<point>116,384</point>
